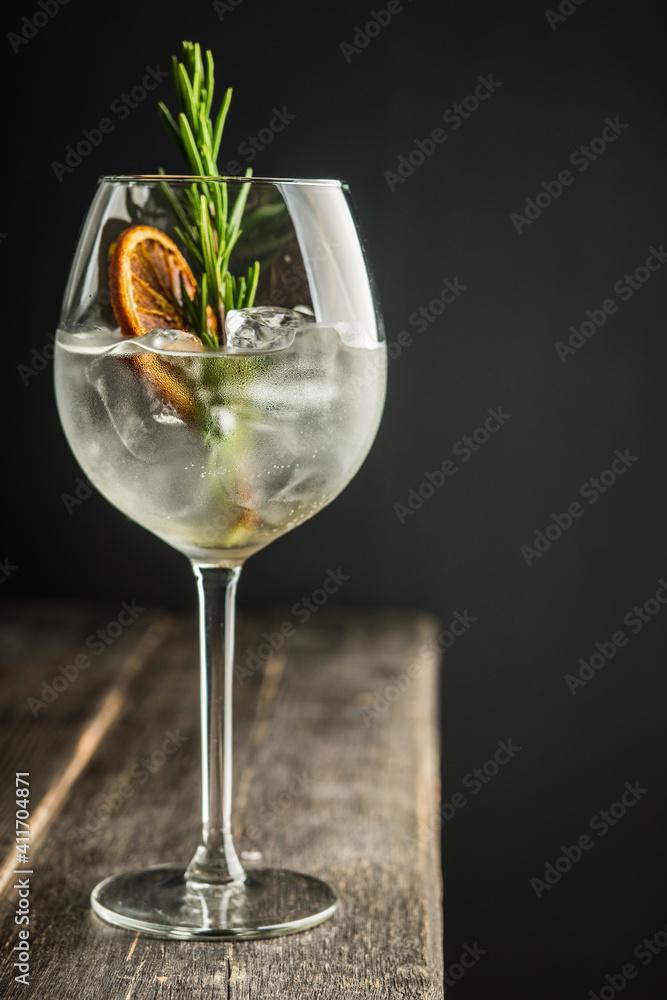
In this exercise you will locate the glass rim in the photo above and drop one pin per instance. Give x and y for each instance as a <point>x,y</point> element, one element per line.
<point>190,178</point>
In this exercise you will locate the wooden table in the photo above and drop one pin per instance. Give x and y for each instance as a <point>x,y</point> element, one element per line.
<point>335,774</point>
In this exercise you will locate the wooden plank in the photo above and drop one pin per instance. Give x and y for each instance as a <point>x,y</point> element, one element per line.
<point>335,775</point>
<point>59,677</point>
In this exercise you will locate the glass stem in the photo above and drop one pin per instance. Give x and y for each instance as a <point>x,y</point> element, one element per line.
<point>215,861</point>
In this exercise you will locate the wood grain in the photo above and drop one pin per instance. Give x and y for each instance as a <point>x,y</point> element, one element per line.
<point>335,774</point>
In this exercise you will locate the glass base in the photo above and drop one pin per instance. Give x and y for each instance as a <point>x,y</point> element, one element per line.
<point>159,901</point>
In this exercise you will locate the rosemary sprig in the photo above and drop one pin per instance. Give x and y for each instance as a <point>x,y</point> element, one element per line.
<point>206,226</point>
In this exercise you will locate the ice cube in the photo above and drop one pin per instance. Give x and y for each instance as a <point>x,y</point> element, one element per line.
<point>263,328</point>
<point>169,340</point>
<point>146,398</point>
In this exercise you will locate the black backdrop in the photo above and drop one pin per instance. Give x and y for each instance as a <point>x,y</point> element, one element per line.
<point>541,200</point>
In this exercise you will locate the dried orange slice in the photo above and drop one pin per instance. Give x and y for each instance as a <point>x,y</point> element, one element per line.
<point>145,282</point>
<point>145,271</point>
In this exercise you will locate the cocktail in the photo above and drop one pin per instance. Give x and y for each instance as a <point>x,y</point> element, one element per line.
<point>220,377</point>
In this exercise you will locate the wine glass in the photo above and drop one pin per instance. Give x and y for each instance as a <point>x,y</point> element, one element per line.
<point>219,442</point>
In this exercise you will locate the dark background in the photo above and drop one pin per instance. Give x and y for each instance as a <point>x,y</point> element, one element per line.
<point>494,346</point>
